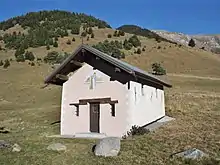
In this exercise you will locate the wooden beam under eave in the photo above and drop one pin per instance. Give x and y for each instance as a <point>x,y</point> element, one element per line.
<point>62,77</point>
<point>57,81</point>
<point>76,63</point>
<point>117,70</point>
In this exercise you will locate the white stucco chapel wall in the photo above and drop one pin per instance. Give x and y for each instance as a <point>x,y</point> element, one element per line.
<point>146,103</point>
<point>77,88</point>
<point>136,106</point>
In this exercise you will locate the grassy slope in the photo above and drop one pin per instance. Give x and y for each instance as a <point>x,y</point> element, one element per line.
<point>175,59</point>
<point>195,103</point>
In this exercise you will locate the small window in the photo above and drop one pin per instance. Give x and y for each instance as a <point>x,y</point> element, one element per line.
<point>156,92</point>
<point>113,110</point>
<point>142,89</point>
<point>128,84</point>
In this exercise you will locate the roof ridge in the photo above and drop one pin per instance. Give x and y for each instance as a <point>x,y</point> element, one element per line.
<point>132,69</point>
<point>135,71</point>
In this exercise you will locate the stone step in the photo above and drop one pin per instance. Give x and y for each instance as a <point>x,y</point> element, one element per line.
<point>85,135</point>
<point>90,135</point>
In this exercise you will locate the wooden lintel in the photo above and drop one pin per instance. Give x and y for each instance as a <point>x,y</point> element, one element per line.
<point>77,108</point>
<point>96,100</point>
<point>77,104</point>
<point>113,102</point>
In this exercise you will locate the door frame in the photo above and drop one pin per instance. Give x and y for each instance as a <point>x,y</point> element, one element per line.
<point>94,124</point>
<point>94,101</point>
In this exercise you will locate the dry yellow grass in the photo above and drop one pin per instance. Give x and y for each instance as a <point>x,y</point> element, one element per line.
<point>28,110</point>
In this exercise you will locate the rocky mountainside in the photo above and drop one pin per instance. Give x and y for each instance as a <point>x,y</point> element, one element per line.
<point>134,29</point>
<point>209,42</point>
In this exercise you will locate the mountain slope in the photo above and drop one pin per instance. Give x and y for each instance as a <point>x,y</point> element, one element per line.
<point>54,17</point>
<point>133,29</point>
<point>41,28</point>
<point>32,113</point>
<point>173,58</point>
<point>209,42</point>
<point>36,38</point>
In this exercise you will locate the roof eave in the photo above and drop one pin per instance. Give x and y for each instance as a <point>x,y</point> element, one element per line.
<point>62,65</point>
<point>49,79</point>
<point>96,52</point>
<point>55,83</point>
<point>159,82</point>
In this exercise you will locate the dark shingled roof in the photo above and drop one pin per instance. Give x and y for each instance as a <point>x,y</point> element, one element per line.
<point>116,62</point>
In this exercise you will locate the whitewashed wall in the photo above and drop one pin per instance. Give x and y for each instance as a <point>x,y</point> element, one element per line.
<point>148,104</point>
<point>146,107</point>
<point>76,88</point>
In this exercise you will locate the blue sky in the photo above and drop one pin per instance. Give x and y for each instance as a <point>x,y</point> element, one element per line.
<point>187,16</point>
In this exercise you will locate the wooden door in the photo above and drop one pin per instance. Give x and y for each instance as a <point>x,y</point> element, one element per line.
<point>94,117</point>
